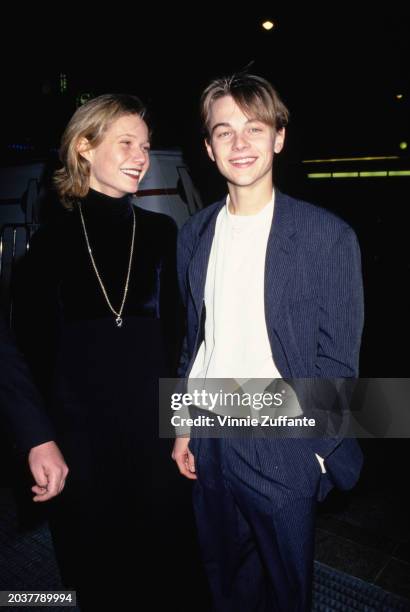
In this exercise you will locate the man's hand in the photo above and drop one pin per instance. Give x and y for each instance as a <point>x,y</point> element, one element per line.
<point>49,470</point>
<point>184,458</point>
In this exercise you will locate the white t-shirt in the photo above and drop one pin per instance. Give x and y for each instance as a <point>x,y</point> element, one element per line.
<point>236,343</point>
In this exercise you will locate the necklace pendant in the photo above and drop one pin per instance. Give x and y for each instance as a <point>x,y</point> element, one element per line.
<point>118,319</point>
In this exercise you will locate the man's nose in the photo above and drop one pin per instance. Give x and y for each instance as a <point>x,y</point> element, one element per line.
<point>239,142</point>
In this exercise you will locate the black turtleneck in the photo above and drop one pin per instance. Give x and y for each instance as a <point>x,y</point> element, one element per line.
<point>105,207</point>
<point>58,282</point>
<point>109,223</point>
<point>59,260</point>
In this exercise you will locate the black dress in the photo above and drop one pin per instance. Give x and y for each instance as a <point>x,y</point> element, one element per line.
<point>101,383</point>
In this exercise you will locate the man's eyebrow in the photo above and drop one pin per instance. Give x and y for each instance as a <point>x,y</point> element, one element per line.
<point>217,125</point>
<point>225,124</point>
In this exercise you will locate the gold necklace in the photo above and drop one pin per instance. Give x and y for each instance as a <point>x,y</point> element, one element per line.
<point>118,314</point>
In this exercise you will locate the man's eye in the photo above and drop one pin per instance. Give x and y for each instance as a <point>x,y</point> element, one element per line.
<point>255,130</point>
<point>126,141</point>
<point>223,134</point>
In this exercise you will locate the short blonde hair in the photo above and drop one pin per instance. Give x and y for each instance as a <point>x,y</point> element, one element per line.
<point>89,121</point>
<point>254,95</point>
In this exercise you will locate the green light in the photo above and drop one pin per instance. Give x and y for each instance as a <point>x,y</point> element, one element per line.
<point>366,174</point>
<point>319,175</point>
<point>63,82</point>
<point>378,173</point>
<point>403,145</point>
<point>343,159</point>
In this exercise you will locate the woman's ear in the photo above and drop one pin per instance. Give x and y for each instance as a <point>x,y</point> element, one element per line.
<point>83,148</point>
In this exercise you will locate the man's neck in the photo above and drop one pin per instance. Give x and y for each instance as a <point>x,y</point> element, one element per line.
<point>249,200</point>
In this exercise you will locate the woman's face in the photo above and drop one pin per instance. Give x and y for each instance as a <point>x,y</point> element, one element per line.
<point>119,162</point>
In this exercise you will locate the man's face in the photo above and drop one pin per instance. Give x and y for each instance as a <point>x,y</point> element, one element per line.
<point>242,147</point>
<point>119,162</point>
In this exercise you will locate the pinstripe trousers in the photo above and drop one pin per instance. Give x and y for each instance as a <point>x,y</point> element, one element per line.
<point>255,505</point>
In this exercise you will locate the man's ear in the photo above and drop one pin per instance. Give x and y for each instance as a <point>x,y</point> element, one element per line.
<point>83,148</point>
<point>209,149</point>
<point>279,140</point>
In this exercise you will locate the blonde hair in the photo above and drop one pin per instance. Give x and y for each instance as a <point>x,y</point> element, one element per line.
<point>254,95</point>
<point>89,121</point>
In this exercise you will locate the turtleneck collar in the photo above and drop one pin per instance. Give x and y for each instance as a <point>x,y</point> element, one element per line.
<point>99,204</point>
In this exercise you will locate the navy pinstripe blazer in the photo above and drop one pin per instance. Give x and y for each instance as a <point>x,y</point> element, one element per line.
<point>21,406</point>
<point>313,304</point>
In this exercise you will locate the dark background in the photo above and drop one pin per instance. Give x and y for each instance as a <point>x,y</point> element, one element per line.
<point>338,67</point>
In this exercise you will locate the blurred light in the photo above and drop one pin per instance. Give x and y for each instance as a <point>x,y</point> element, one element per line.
<point>403,145</point>
<point>399,96</point>
<point>343,159</point>
<point>21,147</point>
<point>376,173</point>
<point>268,25</point>
<point>317,175</point>
<point>63,83</point>
<point>370,174</point>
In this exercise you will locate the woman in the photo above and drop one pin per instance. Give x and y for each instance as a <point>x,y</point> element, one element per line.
<point>97,305</point>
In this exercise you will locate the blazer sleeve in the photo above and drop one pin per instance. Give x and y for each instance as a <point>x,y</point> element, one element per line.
<point>21,405</point>
<point>339,336</point>
<point>341,309</point>
<point>184,253</point>
<point>185,247</point>
<point>36,304</point>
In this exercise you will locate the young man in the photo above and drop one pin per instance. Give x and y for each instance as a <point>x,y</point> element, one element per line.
<point>272,288</point>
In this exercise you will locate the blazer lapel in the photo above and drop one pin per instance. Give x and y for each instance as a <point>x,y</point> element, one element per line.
<point>279,256</point>
<point>278,264</point>
<point>199,263</point>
